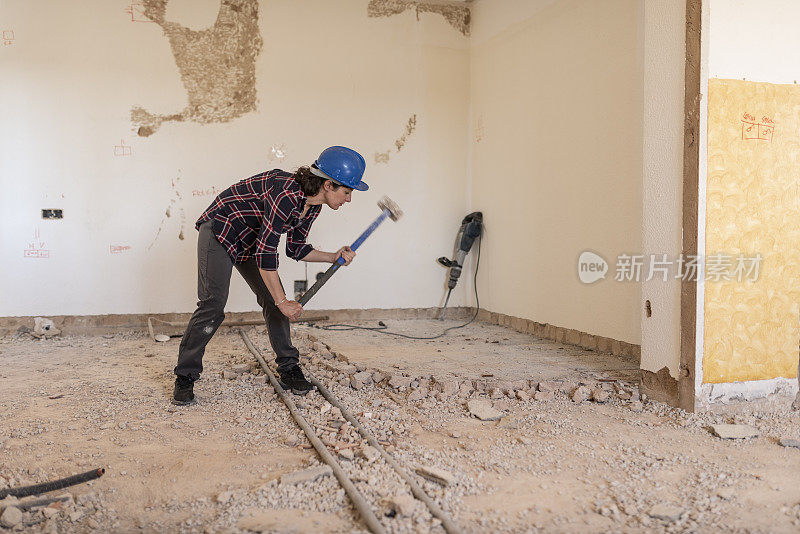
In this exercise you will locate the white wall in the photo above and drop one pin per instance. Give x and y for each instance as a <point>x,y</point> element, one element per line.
<point>556,146</point>
<point>664,64</point>
<point>327,75</point>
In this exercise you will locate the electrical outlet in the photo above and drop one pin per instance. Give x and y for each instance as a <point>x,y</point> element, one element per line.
<point>300,287</point>
<point>52,214</point>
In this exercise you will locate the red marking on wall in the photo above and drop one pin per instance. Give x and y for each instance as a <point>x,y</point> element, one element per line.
<point>136,11</point>
<point>36,248</point>
<point>207,192</point>
<point>118,249</point>
<point>8,37</point>
<point>753,130</point>
<point>122,149</point>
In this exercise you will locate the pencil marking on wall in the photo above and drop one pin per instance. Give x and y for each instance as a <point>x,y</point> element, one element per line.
<point>136,11</point>
<point>479,129</point>
<point>758,131</point>
<point>36,247</point>
<point>118,249</point>
<point>457,16</point>
<point>400,143</point>
<point>8,37</point>
<point>176,200</point>
<point>217,65</point>
<point>206,192</point>
<point>122,149</point>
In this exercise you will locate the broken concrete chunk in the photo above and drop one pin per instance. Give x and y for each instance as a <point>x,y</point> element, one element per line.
<point>346,454</point>
<point>549,386</point>
<point>360,379</point>
<point>581,394</point>
<point>523,395</point>
<point>260,379</point>
<point>377,377</point>
<point>224,497</point>
<point>418,394</point>
<point>398,381</point>
<point>241,368</point>
<point>544,396</point>
<point>369,453</point>
<point>483,410</point>
<point>786,442</point>
<point>11,517</point>
<point>43,327</point>
<point>402,505</point>
<point>734,431</point>
<point>306,475</point>
<point>445,478</point>
<point>229,374</point>
<point>600,395</point>
<point>637,407</point>
<point>665,512</point>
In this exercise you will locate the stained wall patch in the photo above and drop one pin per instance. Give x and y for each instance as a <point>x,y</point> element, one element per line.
<point>457,16</point>
<point>217,65</point>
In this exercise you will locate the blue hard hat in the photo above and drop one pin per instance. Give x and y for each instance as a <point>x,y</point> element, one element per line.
<point>342,165</point>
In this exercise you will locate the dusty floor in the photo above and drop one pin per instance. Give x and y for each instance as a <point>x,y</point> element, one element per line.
<point>70,404</point>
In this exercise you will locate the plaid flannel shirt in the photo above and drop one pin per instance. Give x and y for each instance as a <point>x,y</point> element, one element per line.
<point>250,216</point>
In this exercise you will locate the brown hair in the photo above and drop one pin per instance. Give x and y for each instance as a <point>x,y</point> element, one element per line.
<point>310,183</point>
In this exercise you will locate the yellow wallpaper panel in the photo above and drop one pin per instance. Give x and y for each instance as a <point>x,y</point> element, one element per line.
<point>753,206</point>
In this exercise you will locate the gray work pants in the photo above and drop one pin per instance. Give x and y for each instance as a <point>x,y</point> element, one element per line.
<point>214,267</point>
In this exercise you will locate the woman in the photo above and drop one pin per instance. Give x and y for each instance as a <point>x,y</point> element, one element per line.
<point>242,229</point>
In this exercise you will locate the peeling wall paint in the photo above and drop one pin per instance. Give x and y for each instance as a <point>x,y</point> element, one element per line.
<point>217,65</point>
<point>457,16</point>
<point>411,126</point>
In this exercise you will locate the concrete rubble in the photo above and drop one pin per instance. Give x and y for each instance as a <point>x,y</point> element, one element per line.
<point>733,431</point>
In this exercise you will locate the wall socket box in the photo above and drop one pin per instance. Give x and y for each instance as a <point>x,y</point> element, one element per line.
<point>300,287</point>
<point>52,214</point>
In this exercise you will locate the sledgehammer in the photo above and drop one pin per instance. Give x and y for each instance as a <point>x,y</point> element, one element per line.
<point>388,209</point>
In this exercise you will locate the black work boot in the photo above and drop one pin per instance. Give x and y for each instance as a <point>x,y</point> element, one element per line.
<point>293,380</point>
<point>183,394</point>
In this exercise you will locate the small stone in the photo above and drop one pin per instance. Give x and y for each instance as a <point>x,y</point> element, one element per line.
<point>229,374</point>
<point>399,381</point>
<point>600,395</point>
<point>418,394</point>
<point>523,395</point>
<point>306,475</point>
<point>347,454</point>
<point>581,394</point>
<point>224,497</point>
<point>524,440</point>
<point>349,369</point>
<point>786,442</point>
<point>403,505</point>
<point>726,494</point>
<point>483,410</point>
<point>377,377</point>
<point>445,478</point>
<point>665,512</point>
<point>12,516</point>
<point>544,396</point>
<point>49,512</point>
<point>260,379</point>
<point>455,434</point>
<point>360,379</point>
<point>548,386</point>
<point>734,431</point>
<point>369,453</point>
<point>241,368</point>
<point>501,405</point>
<point>291,440</point>
<point>76,515</point>
<point>637,407</point>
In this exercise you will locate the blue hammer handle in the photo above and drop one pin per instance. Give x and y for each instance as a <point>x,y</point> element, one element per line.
<point>338,263</point>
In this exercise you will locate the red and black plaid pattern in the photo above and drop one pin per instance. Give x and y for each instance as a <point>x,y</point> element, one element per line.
<point>250,216</point>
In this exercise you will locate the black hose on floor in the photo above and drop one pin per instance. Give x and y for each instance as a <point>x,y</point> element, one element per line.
<point>54,485</point>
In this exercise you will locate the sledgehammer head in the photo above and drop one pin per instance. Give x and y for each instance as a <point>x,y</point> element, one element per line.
<point>386,203</point>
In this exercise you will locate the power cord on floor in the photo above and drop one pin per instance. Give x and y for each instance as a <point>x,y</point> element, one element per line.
<point>382,329</point>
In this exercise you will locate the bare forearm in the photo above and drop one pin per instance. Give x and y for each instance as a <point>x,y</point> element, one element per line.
<point>318,256</point>
<point>273,283</point>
